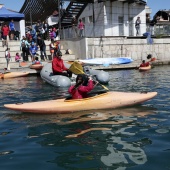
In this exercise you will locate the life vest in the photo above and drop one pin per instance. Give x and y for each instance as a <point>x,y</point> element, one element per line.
<point>37,62</point>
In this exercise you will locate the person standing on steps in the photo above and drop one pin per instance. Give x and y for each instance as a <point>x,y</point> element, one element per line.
<point>33,50</point>
<point>5,33</point>
<point>24,46</point>
<point>46,29</point>
<point>12,29</point>
<point>42,45</point>
<point>8,57</point>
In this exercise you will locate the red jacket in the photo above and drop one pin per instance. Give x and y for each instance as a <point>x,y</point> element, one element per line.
<point>5,31</point>
<point>145,64</point>
<point>58,65</point>
<point>81,91</point>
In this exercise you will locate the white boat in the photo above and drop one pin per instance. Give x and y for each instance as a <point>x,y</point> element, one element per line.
<point>107,61</point>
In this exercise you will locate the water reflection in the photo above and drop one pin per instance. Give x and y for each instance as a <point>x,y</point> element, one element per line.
<point>107,132</point>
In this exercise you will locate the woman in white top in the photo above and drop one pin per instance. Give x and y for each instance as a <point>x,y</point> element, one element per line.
<point>8,57</point>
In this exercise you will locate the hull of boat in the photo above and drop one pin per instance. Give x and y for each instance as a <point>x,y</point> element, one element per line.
<point>13,75</point>
<point>144,68</point>
<point>103,101</point>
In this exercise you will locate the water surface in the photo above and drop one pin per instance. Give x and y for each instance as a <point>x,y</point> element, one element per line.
<point>126,138</point>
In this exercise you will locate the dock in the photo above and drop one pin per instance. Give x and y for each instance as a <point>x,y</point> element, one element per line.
<point>133,65</point>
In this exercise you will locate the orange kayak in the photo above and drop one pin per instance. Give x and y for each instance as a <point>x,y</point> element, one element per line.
<point>107,100</point>
<point>144,68</point>
<point>13,74</point>
<point>36,66</point>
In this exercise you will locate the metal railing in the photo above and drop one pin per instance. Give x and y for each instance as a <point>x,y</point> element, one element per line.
<point>117,29</point>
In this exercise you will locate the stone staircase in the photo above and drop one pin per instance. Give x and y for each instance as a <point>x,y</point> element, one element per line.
<point>15,47</point>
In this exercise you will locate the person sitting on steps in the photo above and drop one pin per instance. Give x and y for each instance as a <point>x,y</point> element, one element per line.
<point>18,59</point>
<point>83,85</point>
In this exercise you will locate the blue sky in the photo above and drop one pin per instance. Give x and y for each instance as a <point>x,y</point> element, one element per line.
<point>155,5</point>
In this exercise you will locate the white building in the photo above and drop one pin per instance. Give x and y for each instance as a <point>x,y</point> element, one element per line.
<point>113,18</point>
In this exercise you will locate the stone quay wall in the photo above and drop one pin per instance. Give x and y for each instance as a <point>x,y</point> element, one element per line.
<point>104,47</point>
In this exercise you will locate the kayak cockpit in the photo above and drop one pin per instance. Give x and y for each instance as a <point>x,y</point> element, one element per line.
<point>90,96</point>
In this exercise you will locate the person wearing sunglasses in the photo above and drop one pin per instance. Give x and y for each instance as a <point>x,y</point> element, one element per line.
<point>58,66</point>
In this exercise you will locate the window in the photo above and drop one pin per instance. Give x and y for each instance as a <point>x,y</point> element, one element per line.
<point>83,19</point>
<point>90,19</point>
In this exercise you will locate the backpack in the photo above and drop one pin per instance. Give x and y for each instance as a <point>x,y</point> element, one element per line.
<point>23,44</point>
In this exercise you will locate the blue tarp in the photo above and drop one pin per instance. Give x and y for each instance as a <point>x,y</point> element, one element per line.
<point>6,14</point>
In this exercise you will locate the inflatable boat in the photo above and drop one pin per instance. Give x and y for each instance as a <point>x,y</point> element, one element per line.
<point>63,81</point>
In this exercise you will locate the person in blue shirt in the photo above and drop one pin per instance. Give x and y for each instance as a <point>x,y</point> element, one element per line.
<point>12,29</point>
<point>33,34</point>
<point>33,50</point>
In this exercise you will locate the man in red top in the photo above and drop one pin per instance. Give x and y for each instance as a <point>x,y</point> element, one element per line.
<point>5,33</point>
<point>58,66</point>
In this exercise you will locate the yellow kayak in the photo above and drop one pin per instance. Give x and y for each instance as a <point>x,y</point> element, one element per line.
<point>13,74</point>
<point>107,100</point>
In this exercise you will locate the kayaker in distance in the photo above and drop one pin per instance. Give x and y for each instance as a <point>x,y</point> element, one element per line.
<point>144,64</point>
<point>58,66</point>
<point>151,58</point>
<point>83,85</point>
<point>36,61</point>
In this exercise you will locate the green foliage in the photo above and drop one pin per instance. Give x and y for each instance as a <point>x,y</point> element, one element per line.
<point>159,35</point>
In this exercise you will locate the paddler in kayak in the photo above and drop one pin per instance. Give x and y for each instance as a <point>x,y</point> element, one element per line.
<point>151,58</point>
<point>36,61</point>
<point>144,64</point>
<point>58,66</point>
<point>83,85</point>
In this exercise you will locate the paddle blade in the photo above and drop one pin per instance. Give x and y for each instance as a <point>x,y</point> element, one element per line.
<point>76,68</point>
<point>152,59</point>
<point>104,87</point>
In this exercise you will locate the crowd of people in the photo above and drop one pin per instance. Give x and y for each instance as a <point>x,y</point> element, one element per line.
<point>33,42</point>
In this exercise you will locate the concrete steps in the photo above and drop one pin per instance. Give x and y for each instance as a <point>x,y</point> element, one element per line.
<point>15,47</point>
